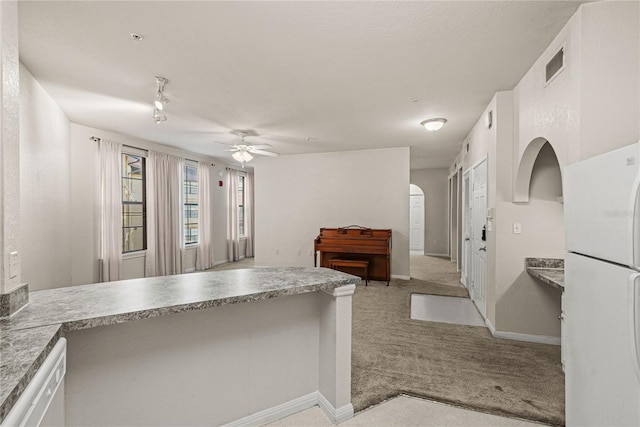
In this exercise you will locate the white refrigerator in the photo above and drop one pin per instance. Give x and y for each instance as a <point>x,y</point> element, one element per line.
<point>601,301</point>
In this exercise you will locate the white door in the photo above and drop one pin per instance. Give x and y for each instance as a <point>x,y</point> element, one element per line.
<point>416,220</point>
<point>478,236</point>
<point>465,277</point>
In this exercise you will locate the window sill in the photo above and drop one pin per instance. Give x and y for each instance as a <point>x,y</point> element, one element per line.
<point>190,246</point>
<point>133,255</point>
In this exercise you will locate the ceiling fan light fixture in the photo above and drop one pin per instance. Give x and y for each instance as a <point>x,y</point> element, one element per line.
<point>242,156</point>
<point>433,125</point>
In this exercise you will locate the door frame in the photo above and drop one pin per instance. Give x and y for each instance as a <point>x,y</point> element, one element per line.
<point>465,267</point>
<point>423,216</point>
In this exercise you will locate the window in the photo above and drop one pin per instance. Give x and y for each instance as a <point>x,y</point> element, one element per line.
<point>134,209</point>
<point>241,205</point>
<point>190,203</point>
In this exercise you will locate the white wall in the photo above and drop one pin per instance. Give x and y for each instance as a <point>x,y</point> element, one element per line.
<point>45,200</point>
<point>600,80</point>
<point>10,239</point>
<point>206,367</point>
<point>433,183</point>
<point>610,101</point>
<point>59,204</point>
<point>593,105</point>
<point>297,195</point>
<point>523,304</point>
<point>84,187</point>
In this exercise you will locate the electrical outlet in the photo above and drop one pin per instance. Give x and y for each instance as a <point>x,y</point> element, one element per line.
<point>299,252</point>
<point>517,228</point>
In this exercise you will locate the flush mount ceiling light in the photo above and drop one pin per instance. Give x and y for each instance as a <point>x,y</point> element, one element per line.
<point>433,125</point>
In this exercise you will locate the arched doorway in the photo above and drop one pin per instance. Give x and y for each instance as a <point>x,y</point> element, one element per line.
<point>416,220</point>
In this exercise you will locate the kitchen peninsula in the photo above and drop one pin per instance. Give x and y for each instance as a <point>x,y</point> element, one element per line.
<point>201,348</point>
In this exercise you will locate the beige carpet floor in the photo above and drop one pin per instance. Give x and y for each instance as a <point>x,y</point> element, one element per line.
<point>461,365</point>
<point>434,269</point>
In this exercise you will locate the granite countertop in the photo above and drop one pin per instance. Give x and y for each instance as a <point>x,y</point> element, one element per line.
<point>28,336</point>
<point>21,355</point>
<point>548,270</point>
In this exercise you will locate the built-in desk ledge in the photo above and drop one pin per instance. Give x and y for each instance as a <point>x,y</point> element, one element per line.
<point>548,270</point>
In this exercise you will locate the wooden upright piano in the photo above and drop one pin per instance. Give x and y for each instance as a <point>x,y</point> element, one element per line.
<point>356,243</point>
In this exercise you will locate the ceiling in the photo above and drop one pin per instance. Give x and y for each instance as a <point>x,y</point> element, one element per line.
<point>304,76</point>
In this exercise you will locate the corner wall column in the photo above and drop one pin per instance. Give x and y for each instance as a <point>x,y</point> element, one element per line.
<point>12,295</point>
<point>335,353</point>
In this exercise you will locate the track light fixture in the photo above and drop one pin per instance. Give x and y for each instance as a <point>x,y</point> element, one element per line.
<point>160,100</point>
<point>158,116</point>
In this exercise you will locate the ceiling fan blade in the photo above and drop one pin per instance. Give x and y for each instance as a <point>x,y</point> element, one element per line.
<point>259,146</point>
<point>223,143</point>
<point>265,153</point>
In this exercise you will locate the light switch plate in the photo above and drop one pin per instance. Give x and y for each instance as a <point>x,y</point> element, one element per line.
<point>517,228</point>
<point>13,264</point>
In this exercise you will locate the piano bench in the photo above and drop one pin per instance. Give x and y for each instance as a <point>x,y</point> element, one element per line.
<point>351,263</point>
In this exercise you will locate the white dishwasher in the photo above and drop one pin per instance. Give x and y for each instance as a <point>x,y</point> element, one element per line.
<point>42,402</point>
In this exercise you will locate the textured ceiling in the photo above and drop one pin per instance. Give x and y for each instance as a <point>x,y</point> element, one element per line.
<point>305,76</point>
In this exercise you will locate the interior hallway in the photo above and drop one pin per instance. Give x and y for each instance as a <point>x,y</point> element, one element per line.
<point>434,269</point>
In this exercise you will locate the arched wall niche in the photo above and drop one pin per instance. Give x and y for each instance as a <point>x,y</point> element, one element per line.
<point>525,169</point>
<point>415,190</point>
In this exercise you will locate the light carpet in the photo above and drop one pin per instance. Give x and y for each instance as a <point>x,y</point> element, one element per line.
<point>457,364</point>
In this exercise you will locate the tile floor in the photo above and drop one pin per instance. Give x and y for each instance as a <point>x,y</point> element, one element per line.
<point>404,411</point>
<point>436,308</point>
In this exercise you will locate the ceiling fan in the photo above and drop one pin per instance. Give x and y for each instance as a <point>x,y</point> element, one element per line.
<point>243,152</point>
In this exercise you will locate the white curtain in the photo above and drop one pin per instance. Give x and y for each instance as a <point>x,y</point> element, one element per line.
<point>248,213</point>
<point>164,214</point>
<point>204,251</point>
<point>233,235</point>
<point>110,210</point>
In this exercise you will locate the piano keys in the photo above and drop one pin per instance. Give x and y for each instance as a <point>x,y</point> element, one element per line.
<point>356,243</point>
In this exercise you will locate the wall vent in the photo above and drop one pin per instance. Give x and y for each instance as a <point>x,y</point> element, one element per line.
<point>554,66</point>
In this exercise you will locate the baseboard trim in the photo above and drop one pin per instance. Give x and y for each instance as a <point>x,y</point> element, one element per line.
<point>224,261</point>
<point>514,336</point>
<point>338,415</point>
<point>441,255</point>
<point>279,411</point>
<point>190,270</point>
<point>398,276</point>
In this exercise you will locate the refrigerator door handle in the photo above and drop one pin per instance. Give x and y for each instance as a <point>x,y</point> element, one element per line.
<point>634,224</point>
<point>633,320</point>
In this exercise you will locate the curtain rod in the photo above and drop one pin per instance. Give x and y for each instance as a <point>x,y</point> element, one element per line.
<point>236,169</point>
<point>96,139</point>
